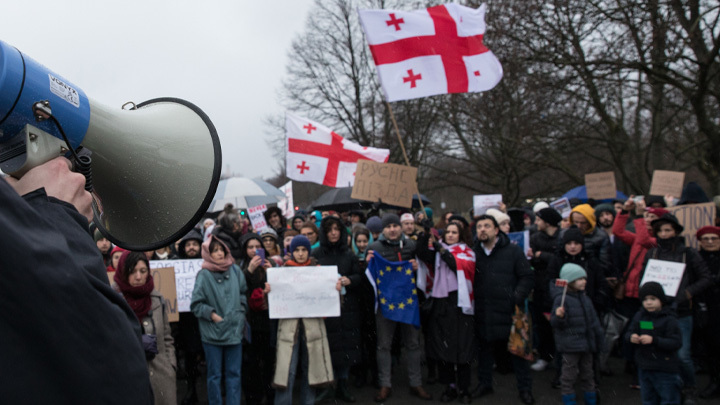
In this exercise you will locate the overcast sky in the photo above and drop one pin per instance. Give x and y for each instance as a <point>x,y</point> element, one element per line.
<point>228,57</point>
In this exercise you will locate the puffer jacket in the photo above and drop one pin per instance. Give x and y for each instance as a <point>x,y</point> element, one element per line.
<point>579,331</point>
<point>394,250</point>
<point>597,288</point>
<point>661,354</point>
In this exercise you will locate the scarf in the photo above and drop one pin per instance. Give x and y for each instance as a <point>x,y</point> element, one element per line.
<point>208,262</point>
<point>137,297</point>
<point>465,262</point>
<point>293,263</point>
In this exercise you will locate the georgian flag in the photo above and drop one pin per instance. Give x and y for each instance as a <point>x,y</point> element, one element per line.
<point>317,154</point>
<point>438,50</point>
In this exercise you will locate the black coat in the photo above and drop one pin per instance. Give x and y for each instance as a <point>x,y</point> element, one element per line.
<point>579,331</point>
<point>711,296</point>
<point>344,334</point>
<point>502,280</point>
<point>68,337</point>
<point>231,240</point>
<point>542,242</point>
<point>597,288</point>
<point>661,354</point>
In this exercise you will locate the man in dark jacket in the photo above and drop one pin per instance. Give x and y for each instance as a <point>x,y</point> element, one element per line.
<point>394,247</point>
<point>68,337</point>
<point>503,280</point>
<point>189,247</point>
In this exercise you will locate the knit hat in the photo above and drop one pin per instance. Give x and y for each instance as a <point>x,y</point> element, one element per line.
<point>588,212</point>
<point>268,232</point>
<point>299,240</point>
<point>374,224</point>
<point>573,234</point>
<point>390,219</point>
<point>550,215</point>
<point>98,235</point>
<point>499,216</point>
<point>459,218</point>
<point>572,272</point>
<point>670,219</point>
<point>693,194</point>
<point>429,212</point>
<point>407,217</point>
<point>540,205</point>
<point>604,208</point>
<point>708,229</point>
<point>652,288</point>
<point>657,211</point>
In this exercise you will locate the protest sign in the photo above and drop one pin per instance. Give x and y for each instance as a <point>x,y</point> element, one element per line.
<point>287,205</point>
<point>391,183</point>
<point>521,239</point>
<point>257,217</point>
<point>666,182</point>
<point>185,273</point>
<point>693,217</point>
<point>562,206</point>
<point>668,274</point>
<point>303,292</point>
<point>481,203</point>
<point>164,280</point>
<point>600,186</point>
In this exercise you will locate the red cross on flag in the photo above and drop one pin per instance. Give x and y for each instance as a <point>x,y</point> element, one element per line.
<point>438,50</point>
<point>317,154</point>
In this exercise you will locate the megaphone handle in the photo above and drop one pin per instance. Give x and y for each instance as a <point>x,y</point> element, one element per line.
<point>83,165</point>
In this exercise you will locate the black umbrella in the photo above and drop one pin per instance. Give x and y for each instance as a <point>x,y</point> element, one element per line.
<point>338,199</point>
<point>415,202</point>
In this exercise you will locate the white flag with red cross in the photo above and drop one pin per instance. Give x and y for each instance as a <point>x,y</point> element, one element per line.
<point>317,154</point>
<point>438,50</point>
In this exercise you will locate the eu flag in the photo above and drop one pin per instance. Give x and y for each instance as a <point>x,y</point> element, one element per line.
<point>396,290</point>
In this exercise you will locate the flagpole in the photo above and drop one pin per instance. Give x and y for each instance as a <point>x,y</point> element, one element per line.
<point>402,146</point>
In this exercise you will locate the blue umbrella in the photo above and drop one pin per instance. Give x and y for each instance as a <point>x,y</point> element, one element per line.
<point>581,194</point>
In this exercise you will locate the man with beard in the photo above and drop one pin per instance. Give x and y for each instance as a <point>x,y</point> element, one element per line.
<point>188,339</point>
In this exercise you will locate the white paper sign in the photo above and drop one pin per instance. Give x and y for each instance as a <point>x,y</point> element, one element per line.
<point>287,205</point>
<point>186,271</point>
<point>257,217</point>
<point>482,203</point>
<point>562,206</point>
<point>668,274</point>
<point>303,292</point>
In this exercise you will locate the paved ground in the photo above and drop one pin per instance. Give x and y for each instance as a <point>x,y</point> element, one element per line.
<point>614,389</point>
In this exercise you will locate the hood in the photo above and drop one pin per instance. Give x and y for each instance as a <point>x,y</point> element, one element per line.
<point>693,194</point>
<point>194,234</point>
<point>243,244</point>
<point>324,242</point>
<point>205,251</point>
<point>588,212</point>
<point>355,250</point>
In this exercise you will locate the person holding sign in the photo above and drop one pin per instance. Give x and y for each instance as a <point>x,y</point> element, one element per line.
<point>220,304</point>
<point>136,284</point>
<point>695,279</point>
<point>656,338</point>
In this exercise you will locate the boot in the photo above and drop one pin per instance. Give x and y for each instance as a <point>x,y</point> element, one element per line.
<point>712,390</point>
<point>326,393</point>
<point>569,399</point>
<point>342,392</point>
<point>591,398</point>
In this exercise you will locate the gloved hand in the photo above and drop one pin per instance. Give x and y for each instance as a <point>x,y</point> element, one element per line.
<point>149,343</point>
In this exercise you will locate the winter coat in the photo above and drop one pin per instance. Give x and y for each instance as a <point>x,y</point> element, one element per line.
<point>548,245</point>
<point>343,331</point>
<point>192,235</point>
<point>711,296</point>
<point>320,370</point>
<point>230,239</point>
<point>597,244</point>
<point>163,366</point>
<point>661,354</point>
<point>696,278</point>
<point>579,331</point>
<point>503,279</point>
<point>222,292</point>
<point>394,251</point>
<point>639,243</point>
<point>597,288</point>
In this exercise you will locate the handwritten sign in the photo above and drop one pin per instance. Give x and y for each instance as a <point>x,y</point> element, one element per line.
<point>693,217</point>
<point>666,182</point>
<point>303,292</point>
<point>257,217</point>
<point>481,203</point>
<point>164,280</point>
<point>186,271</point>
<point>562,206</point>
<point>521,239</point>
<point>391,183</point>
<point>600,186</point>
<point>668,274</point>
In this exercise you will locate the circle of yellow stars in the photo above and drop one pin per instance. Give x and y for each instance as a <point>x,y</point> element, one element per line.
<point>398,305</point>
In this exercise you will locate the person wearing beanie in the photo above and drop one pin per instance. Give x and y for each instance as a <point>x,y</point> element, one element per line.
<point>374,225</point>
<point>540,205</point>
<point>709,239</point>
<point>597,242</point>
<point>695,280</point>
<point>618,251</point>
<point>578,334</point>
<point>502,219</point>
<point>271,242</point>
<point>693,194</point>
<point>407,222</point>
<point>392,246</point>
<point>115,254</point>
<point>655,336</point>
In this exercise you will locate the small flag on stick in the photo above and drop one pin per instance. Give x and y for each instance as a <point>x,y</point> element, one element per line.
<point>564,284</point>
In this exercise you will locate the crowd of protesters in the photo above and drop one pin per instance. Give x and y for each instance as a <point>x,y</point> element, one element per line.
<point>579,283</point>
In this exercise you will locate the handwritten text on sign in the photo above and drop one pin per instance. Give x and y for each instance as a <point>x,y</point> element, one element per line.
<point>668,274</point>
<point>481,203</point>
<point>257,217</point>
<point>303,292</point>
<point>391,183</point>
<point>185,273</point>
<point>601,185</point>
<point>693,217</point>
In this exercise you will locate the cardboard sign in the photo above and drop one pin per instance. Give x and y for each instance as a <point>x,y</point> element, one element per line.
<point>287,205</point>
<point>562,206</point>
<point>164,280</point>
<point>668,274</point>
<point>694,217</point>
<point>666,182</point>
<point>391,183</point>
<point>186,271</point>
<point>481,203</point>
<point>257,217</point>
<point>303,292</point>
<point>521,239</point>
<point>600,186</point>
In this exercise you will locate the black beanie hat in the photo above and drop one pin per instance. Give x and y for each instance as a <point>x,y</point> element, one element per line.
<point>550,215</point>
<point>573,234</point>
<point>652,288</point>
<point>389,219</point>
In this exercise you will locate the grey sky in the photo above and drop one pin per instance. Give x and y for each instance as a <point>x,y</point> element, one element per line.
<point>227,57</point>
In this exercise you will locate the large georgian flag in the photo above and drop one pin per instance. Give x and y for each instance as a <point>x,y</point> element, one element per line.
<point>439,50</point>
<point>317,154</point>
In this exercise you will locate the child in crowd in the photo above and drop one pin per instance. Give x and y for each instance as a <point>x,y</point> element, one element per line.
<point>302,344</point>
<point>656,337</point>
<point>577,332</point>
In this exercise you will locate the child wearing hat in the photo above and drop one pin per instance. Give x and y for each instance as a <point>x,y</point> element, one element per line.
<point>655,334</point>
<point>578,334</point>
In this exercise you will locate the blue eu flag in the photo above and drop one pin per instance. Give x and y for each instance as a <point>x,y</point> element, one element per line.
<point>396,290</point>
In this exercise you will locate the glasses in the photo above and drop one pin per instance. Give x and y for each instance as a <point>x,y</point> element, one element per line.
<point>710,238</point>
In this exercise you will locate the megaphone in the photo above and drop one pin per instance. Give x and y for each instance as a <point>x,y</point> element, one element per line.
<point>154,167</point>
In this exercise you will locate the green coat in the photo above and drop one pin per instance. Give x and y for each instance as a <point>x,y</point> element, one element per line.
<point>224,294</point>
